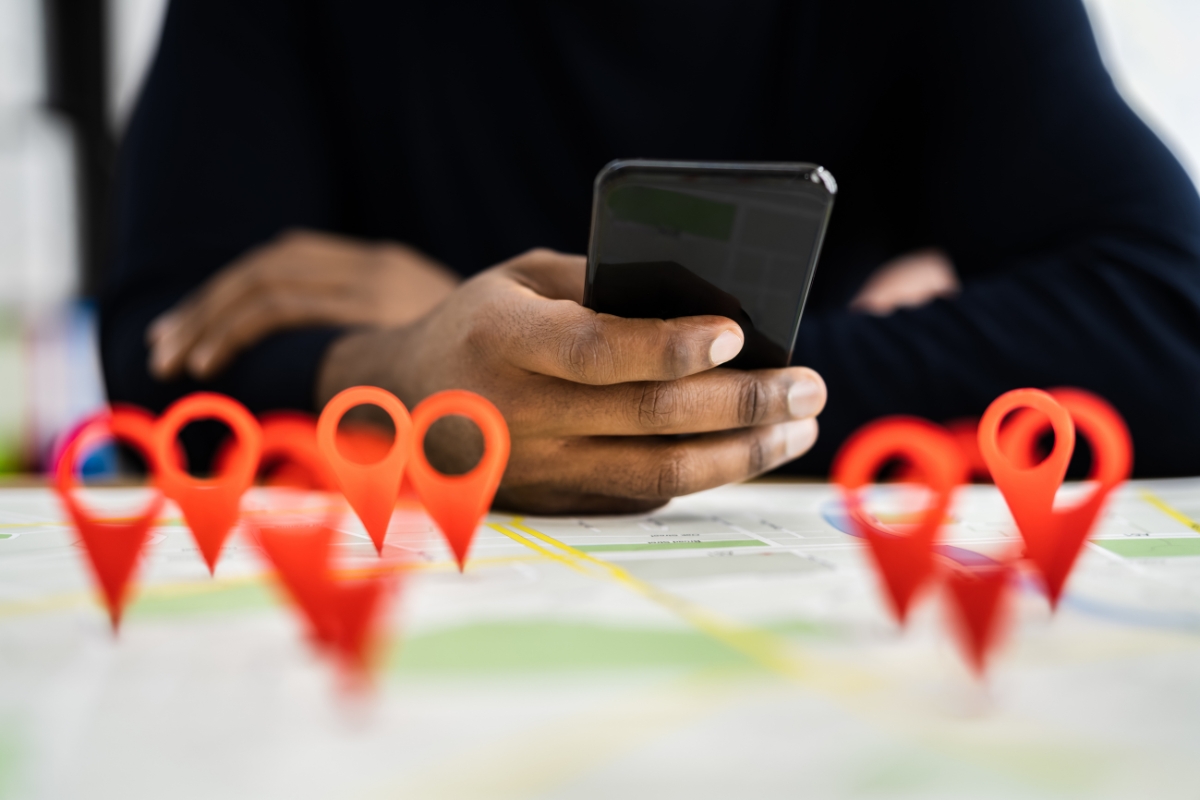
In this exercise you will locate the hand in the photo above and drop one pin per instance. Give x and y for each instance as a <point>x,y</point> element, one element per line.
<point>594,402</point>
<point>300,279</point>
<point>911,280</point>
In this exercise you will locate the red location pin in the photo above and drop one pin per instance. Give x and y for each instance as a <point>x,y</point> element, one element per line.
<point>290,455</point>
<point>1020,437</point>
<point>904,560</point>
<point>358,606</point>
<point>978,595</point>
<point>290,444</point>
<point>457,503</point>
<point>966,433</point>
<point>210,506</point>
<point>300,556</point>
<point>112,546</point>
<point>342,613</point>
<point>371,489</point>
<point>136,422</point>
<point>1053,539</point>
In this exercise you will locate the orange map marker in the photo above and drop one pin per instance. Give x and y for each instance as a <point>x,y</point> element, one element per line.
<point>210,506</point>
<point>457,503</point>
<point>932,457</point>
<point>113,547</point>
<point>1053,538</point>
<point>371,489</point>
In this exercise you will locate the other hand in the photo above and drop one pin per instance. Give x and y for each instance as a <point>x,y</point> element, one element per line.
<point>908,281</point>
<point>301,279</point>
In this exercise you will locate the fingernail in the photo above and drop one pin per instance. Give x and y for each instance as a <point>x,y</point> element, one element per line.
<point>800,436</point>
<point>804,398</point>
<point>725,347</point>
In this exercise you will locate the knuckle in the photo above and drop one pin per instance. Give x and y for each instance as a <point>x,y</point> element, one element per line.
<point>753,402</point>
<point>657,406</point>
<point>272,271</point>
<point>673,474</point>
<point>481,334</point>
<point>270,307</point>
<point>258,275</point>
<point>676,355</point>
<point>586,354</point>
<point>758,457</point>
<point>531,257</point>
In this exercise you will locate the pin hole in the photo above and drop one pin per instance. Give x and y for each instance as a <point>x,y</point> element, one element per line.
<point>365,434</point>
<point>203,445</point>
<point>453,445</point>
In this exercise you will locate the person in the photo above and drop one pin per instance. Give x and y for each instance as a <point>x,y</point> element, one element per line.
<point>316,195</point>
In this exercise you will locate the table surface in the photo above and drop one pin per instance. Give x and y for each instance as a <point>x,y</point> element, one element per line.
<point>734,643</point>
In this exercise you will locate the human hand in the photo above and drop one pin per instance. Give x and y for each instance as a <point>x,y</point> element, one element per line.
<point>300,279</point>
<point>907,281</point>
<point>595,404</point>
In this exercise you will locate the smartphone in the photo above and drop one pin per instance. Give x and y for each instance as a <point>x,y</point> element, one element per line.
<point>683,238</point>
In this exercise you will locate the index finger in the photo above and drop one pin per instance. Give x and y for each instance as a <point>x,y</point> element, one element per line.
<point>563,339</point>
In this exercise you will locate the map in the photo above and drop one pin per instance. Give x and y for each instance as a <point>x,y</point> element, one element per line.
<point>732,644</point>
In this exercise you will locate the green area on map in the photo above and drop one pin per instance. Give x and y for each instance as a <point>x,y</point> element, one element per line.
<point>10,763</point>
<point>1152,548</point>
<point>677,545</point>
<point>557,646</point>
<point>204,599</point>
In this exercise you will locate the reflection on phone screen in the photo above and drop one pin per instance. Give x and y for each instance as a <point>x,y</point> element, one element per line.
<point>671,245</point>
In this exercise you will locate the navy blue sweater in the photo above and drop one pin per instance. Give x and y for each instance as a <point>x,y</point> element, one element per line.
<point>473,130</point>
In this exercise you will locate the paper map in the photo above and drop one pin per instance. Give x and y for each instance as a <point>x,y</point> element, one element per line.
<point>732,644</point>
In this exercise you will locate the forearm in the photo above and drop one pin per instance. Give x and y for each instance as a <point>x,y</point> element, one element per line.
<point>1097,319</point>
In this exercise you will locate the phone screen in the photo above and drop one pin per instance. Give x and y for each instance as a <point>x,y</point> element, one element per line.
<point>675,239</point>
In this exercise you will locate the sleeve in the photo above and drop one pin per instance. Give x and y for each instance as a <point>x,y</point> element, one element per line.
<point>1075,232</point>
<point>225,150</point>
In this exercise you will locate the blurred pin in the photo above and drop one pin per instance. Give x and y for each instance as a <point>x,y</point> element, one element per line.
<point>343,613</point>
<point>210,506</point>
<point>1053,539</point>
<point>978,597</point>
<point>290,450</point>
<point>932,458</point>
<point>112,546</point>
<point>299,555</point>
